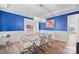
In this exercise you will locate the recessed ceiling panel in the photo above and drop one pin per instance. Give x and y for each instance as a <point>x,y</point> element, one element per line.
<point>41,10</point>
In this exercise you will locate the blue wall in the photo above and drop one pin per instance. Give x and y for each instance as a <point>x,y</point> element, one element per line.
<point>11,22</point>
<point>60,22</point>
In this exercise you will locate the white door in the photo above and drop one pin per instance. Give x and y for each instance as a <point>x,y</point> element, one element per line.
<point>73,32</point>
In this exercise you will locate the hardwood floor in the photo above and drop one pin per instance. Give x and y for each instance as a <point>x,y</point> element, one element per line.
<point>55,47</point>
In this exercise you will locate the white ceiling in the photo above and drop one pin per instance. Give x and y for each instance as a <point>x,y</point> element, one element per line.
<point>41,10</point>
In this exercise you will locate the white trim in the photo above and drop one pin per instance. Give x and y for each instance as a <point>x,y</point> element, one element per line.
<point>14,12</point>
<point>62,11</point>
